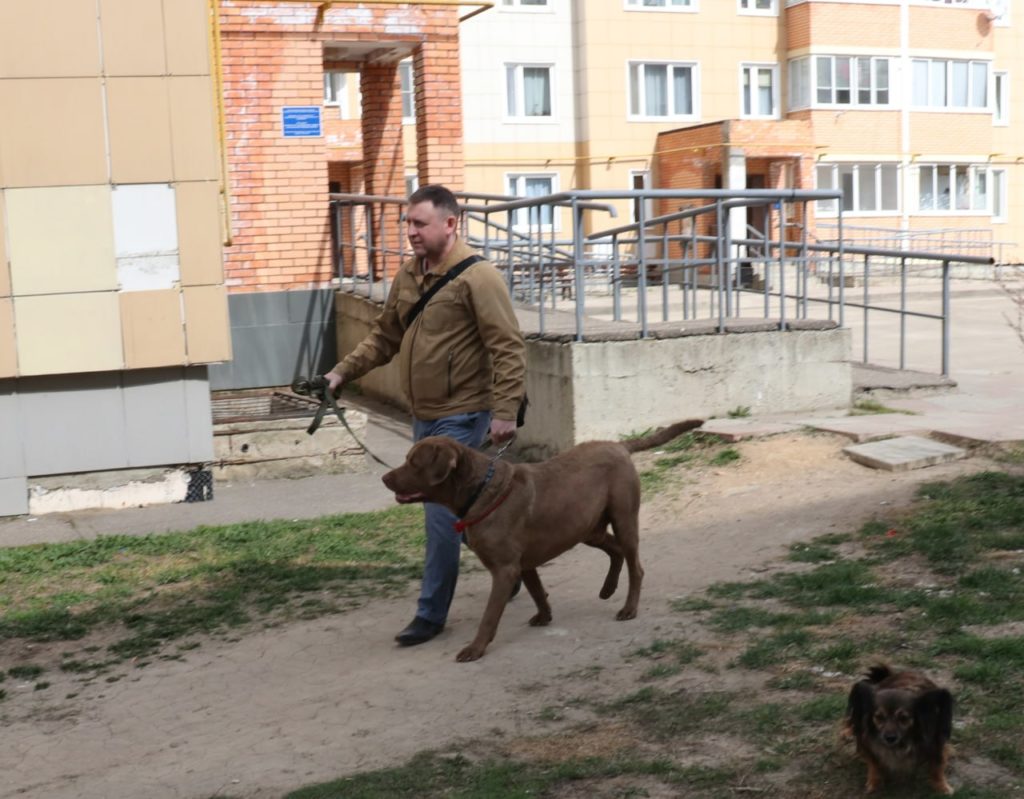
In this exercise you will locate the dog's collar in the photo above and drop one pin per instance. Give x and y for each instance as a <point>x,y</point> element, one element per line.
<point>483,483</point>
<point>464,524</point>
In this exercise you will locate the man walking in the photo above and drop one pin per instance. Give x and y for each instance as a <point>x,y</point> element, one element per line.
<point>462,362</point>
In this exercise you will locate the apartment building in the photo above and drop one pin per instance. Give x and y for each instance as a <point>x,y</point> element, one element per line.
<point>909,106</point>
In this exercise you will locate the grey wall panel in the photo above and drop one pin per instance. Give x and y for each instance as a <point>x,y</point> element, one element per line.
<point>199,413</point>
<point>12,450</point>
<point>72,423</point>
<point>155,417</point>
<point>277,336</point>
<point>13,496</point>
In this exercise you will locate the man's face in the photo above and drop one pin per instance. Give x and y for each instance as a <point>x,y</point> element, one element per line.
<point>429,229</point>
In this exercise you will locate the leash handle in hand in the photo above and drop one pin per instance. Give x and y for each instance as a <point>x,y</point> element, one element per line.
<point>317,386</point>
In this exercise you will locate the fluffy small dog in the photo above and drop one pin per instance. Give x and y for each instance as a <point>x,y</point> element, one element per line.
<point>901,722</point>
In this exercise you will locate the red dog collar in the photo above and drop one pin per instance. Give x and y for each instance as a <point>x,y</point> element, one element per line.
<point>463,524</point>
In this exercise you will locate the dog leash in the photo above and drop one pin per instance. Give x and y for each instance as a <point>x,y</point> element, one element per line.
<point>316,386</point>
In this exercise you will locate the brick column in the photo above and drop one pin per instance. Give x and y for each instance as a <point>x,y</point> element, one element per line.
<point>383,161</point>
<point>439,113</point>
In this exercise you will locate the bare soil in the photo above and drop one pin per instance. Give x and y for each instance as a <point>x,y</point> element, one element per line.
<point>278,708</point>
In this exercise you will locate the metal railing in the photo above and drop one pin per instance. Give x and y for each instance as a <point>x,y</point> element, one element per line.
<point>699,258</point>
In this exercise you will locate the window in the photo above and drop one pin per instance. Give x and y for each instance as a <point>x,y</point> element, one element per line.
<point>524,3</point>
<point>867,188</point>
<point>952,188</point>
<point>668,5</point>
<point>998,195</point>
<point>336,91</point>
<point>759,7</point>
<point>532,185</point>
<point>939,83</point>
<point>662,90</point>
<point>412,182</point>
<point>1000,98</point>
<point>759,91</point>
<point>528,90</point>
<point>408,91</point>
<point>858,81</point>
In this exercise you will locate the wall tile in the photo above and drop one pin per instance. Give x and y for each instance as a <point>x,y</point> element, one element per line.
<point>145,236</point>
<point>133,37</point>
<point>207,331</point>
<point>8,350</point>
<point>186,23</point>
<point>5,271</point>
<point>194,128</point>
<point>77,255</point>
<point>38,147</point>
<point>57,38</point>
<point>199,233</point>
<point>154,334</point>
<point>62,333</point>
<point>140,130</point>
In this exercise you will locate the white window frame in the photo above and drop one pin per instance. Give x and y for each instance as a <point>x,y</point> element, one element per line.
<point>676,6</point>
<point>519,5</point>
<point>641,115</point>
<point>1000,98</point>
<point>515,183</point>
<point>952,173</point>
<point>412,182</point>
<point>753,70</point>
<point>408,89</point>
<point>518,98</point>
<point>946,66</point>
<point>999,194</point>
<point>336,91</point>
<point>853,205</point>
<point>750,7</point>
<point>809,66</point>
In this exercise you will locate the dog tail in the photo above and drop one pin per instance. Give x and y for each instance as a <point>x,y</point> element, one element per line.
<point>662,436</point>
<point>878,673</point>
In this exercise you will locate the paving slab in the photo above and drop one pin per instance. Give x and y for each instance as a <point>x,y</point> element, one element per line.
<point>903,453</point>
<point>873,426</point>
<point>739,429</point>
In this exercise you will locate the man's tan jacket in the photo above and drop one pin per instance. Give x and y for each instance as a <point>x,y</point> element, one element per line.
<point>463,353</point>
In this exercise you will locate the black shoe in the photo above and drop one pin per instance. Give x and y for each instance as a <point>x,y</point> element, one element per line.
<point>419,631</point>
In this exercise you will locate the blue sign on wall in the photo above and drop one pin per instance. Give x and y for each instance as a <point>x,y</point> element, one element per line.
<point>300,120</point>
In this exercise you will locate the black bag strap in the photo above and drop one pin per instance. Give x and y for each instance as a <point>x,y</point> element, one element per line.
<point>444,280</point>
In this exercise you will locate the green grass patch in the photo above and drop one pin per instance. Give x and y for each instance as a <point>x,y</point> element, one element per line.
<point>692,449</point>
<point>163,588</point>
<point>867,407</point>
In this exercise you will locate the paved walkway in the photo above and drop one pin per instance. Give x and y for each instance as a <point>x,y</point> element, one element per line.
<point>984,407</point>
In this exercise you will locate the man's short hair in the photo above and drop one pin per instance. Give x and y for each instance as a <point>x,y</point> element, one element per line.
<point>439,196</point>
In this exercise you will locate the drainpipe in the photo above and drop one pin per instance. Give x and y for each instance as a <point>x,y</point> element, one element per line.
<point>217,68</point>
<point>907,94</point>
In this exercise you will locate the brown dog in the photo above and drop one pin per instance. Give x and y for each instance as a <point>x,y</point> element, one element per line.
<point>517,516</point>
<point>901,722</point>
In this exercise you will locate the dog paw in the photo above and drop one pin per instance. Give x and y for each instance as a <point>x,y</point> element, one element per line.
<point>470,653</point>
<point>625,614</point>
<point>541,620</point>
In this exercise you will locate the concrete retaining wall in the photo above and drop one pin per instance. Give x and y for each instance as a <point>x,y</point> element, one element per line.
<point>606,389</point>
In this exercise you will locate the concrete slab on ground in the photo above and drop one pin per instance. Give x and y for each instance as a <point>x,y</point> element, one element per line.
<point>739,429</point>
<point>903,453</point>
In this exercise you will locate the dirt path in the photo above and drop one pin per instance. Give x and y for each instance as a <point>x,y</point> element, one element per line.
<point>311,701</point>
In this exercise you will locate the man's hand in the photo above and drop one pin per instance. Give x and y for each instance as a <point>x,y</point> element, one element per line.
<point>335,383</point>
<point>502,430</point>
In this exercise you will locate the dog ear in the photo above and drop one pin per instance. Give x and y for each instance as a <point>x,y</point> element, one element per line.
<point>860,705</point>
<point>933,714</point>
<point>442,464</point>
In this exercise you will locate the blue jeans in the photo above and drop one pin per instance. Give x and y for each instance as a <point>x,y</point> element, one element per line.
<point>441,565</point>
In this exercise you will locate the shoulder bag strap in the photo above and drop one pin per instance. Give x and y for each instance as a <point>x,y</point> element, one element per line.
<point>446,278</point>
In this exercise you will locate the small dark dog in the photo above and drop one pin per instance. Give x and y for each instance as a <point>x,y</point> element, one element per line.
<point>901,722</point>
